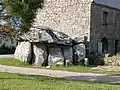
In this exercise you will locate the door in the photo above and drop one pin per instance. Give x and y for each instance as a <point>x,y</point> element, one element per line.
<point>104,45</point>
<point>116,46</point>
<point>99,47</point>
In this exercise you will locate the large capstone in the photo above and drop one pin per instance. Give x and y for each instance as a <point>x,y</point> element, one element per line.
<point>55,56</point>
<point>40,54</point>
<point>23,51</point>
<point>79,53</point>
<point>46,36</point>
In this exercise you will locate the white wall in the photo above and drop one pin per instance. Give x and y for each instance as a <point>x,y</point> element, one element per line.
<point>113,3</point>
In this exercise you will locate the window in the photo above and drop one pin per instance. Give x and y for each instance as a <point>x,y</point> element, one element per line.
<point>105,16</point>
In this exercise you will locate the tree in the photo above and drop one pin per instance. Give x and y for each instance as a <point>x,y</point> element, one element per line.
<point>19,14</point>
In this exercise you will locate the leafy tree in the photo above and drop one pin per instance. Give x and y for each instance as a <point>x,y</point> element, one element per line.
<point>19,14</point>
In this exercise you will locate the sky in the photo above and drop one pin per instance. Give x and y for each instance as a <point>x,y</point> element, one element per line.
<point>113,3</point>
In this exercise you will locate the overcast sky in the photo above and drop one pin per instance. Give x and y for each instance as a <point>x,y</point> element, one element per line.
<point>113,3</point>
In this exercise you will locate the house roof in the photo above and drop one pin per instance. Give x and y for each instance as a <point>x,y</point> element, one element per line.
<point>112,3</point>
<point>4,28</point>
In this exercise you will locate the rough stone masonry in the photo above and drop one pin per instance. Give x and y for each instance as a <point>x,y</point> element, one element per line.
<point>71,17</point>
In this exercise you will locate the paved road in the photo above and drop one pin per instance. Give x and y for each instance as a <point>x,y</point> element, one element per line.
<point>63,74</point>
<point>7,56</point>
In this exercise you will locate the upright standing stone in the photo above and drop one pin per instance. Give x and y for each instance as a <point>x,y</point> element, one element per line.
<point>79,53</point>
<point>68,54</point>
<point>55,56</point>
<point>23,51</point>
<point>40,53</point>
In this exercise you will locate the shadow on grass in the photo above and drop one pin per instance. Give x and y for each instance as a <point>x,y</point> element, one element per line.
<point>29,77</point>
<point>108,79</point>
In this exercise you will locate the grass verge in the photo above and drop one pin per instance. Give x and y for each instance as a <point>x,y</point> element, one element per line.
<point>28,82</point>
<point>13,62</point>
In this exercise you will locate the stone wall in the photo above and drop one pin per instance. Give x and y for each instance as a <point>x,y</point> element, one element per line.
<point>71,17</point>
<point>6,43</point>
<point>99,31</point>
<point>112,60</point>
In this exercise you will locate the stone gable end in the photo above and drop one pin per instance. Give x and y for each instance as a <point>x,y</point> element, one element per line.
<point>71,17</point>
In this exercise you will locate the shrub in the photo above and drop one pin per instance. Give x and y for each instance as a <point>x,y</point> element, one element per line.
<point>6,50</point>
<point>96,59</point>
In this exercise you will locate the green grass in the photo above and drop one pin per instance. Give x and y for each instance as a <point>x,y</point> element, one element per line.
<point>13,62</point>
<point>82,69</point>
<point>26,82</point>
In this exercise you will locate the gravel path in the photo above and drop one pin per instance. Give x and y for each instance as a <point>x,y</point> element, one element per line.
<point>63,74</point>
<point>7,56</point>
<point>108,68</point>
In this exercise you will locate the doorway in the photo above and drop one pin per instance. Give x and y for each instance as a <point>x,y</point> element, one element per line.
<point>104,45</point>
<point>116,46</point>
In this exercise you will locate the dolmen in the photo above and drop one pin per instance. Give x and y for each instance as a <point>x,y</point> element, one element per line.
<point>46,47</point>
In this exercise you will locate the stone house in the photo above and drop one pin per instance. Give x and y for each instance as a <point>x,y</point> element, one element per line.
<point>7,44</point>
<point>94,21</point>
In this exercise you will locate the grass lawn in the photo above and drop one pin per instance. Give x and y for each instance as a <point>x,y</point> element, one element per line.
<point>14,62</point>
<point>26,82</point>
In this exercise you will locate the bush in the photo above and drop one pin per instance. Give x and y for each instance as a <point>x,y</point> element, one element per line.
<point>96,59</point>
<point>6,50</point>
